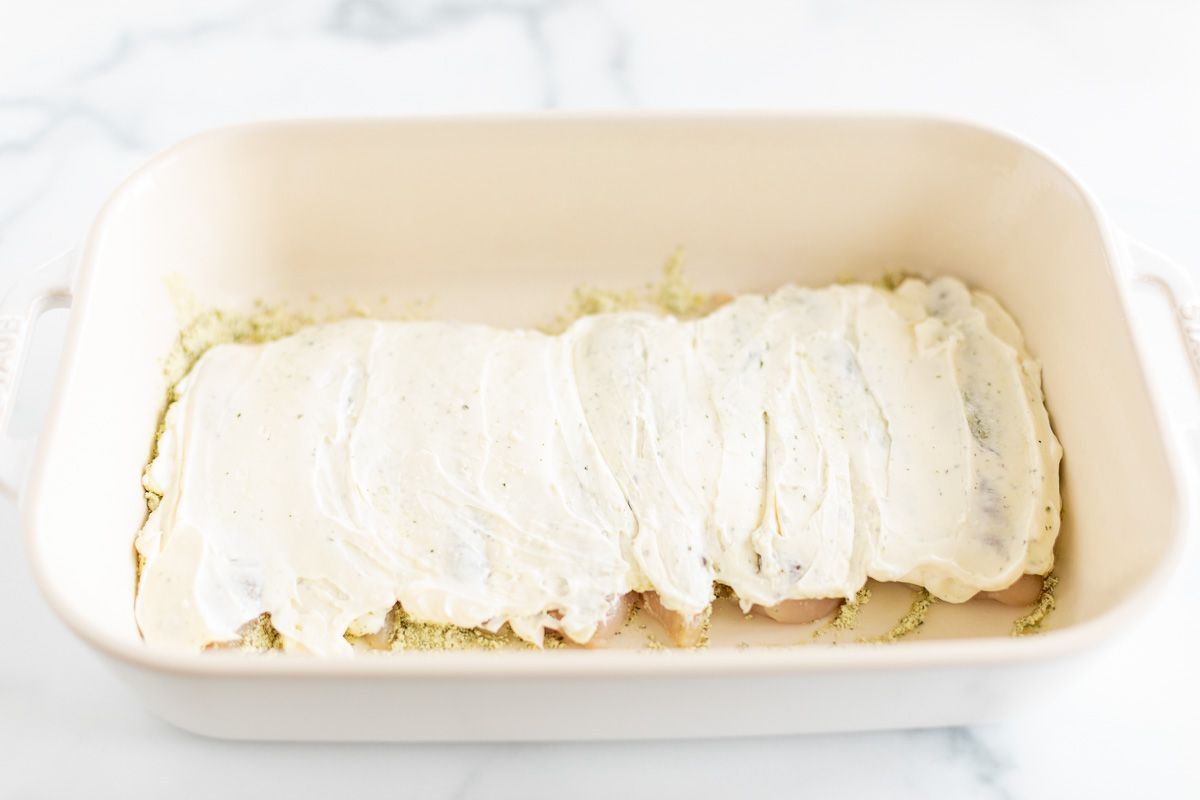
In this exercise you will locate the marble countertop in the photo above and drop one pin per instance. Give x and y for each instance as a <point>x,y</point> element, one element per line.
<point>90,90</point>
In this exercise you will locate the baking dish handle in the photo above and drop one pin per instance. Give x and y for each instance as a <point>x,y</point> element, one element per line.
<point>1181,287</point>
<point>45,288</point>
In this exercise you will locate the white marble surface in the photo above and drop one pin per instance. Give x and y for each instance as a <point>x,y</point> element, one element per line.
<point>89,90</point>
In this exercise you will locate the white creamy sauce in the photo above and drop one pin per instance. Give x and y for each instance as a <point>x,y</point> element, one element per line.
<point>788,446</point>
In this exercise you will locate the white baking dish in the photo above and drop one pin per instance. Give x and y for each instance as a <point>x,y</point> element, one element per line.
<point>499,219</point>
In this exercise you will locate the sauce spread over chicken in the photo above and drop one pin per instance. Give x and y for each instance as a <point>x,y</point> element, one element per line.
<point>788,446</point>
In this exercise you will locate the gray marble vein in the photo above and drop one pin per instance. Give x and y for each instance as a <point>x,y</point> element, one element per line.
<point>129,43</point>
<point>391,22</point>
<point>396,21</point>
<point>56,113</point>
<point>618,61</point>
<point>988,765</point>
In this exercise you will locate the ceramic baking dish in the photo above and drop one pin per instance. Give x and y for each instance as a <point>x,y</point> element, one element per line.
<point>498,219</point>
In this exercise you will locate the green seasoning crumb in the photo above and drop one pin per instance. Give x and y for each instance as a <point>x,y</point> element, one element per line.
<point>723,592</point>
<point>402,632</point>
<point>674,296</point>
<point>261,635</point>
<point>705,630</point>
<point>892,280</point>
<point>409,634</point>
<point>889,281</point>
<point>1032,622</point>
<point>588,301</point>
<point>847,615</point>
<point>211,328</point>
<point>257,636</point>
<point>915,618</point>
<point>635,606</point>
